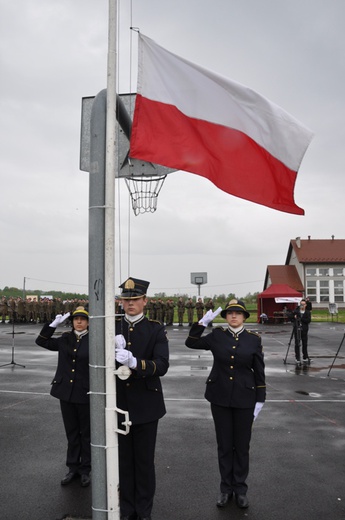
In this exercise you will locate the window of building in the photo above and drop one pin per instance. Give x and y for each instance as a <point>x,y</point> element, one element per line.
<point>323,271</point>
<point>338,291</point>
<point>337,271</point>
<point>324,291</point>
<point>310,271</point>
<point>311,290</point>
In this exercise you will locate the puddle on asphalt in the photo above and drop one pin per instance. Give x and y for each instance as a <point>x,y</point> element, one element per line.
<point>311,394</point>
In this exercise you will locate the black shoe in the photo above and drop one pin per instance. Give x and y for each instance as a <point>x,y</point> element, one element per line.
<point>223,499</point>
<point>144,518</point>
<point>68,478</point>
<point>242,501</point>
<point>130,517</point>
<point>85,480</point>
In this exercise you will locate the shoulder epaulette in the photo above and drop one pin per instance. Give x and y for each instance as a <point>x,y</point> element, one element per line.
<point>156,321</point>
<point>253,332</point>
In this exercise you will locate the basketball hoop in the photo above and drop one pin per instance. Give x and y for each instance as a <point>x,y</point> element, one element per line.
<point>144,192</point>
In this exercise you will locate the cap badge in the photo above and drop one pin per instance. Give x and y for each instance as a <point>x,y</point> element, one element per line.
<point>129,284</point>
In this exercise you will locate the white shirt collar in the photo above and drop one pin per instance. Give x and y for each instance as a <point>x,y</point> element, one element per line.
<point>236,330</point>
<point>133,319</point>
<point>80,333</point>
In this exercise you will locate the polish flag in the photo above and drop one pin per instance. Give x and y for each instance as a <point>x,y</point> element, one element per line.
<point>189,118</point>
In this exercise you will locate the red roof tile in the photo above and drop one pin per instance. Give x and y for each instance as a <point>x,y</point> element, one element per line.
<point>317,251</point>
<point>284,274</point>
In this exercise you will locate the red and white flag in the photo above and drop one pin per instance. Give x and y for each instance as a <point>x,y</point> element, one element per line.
<point>189,118</point>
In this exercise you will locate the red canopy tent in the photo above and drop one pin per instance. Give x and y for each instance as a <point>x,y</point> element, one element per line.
<point>268,305</point>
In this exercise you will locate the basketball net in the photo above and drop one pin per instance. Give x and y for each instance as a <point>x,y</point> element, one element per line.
<point>144,192</point>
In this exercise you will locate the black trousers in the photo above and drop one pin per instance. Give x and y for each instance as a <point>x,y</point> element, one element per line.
<point>76,419</point>
<point>301,336</point>
<point>233,432</point>
<point>137,469</point>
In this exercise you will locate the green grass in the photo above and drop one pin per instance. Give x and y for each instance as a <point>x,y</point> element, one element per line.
<point>318,315</point>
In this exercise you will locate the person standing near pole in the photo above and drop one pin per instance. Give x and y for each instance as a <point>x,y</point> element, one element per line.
<point>71,386</point>
<point>236,390</point>
<point>141,345</point>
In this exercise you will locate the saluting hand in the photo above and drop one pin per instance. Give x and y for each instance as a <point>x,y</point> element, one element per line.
<point>59,318</point>
<point>209,316</point>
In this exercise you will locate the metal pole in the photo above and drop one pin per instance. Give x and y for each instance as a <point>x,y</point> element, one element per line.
<point>335,357</point>
<point>111,163</point>
<point>96,304</point>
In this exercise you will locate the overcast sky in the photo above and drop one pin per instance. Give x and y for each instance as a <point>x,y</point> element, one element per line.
<point>55,53</point>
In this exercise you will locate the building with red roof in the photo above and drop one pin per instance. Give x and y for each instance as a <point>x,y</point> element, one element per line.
<point>315,267</point>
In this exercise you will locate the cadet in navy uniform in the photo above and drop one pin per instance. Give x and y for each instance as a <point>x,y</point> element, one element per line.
<point>71,386</point>
<point>141,345</point>
<point>236,390</point>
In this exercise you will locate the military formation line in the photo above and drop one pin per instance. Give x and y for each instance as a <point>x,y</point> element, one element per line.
<point>44,310</point>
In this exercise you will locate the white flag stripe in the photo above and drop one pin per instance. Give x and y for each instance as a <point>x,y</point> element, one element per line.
<point>205,95</point>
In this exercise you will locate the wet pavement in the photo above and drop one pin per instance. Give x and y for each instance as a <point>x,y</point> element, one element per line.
<point>297,450</point>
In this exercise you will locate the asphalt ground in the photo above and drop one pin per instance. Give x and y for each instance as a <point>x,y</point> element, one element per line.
<point>297,466</point>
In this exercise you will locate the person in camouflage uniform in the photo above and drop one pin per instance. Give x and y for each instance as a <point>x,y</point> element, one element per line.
<point>209,306</point>
<point>12,310</point>
<point>163,310</point>
<point>151,309</point>
<point>190,306</point>
<point>180,310</point>
<point>199,307</point>
<point>29,310</point>
<point>169,311</point>
<point>159,310</point>
<point>3,309</point>
<point>36,311</point>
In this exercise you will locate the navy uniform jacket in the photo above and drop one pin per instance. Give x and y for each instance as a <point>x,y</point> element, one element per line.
<point>237,378</point>
<point>71,381</point>
<point>141,394</point>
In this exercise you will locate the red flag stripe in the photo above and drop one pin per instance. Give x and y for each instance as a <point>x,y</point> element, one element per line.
<point>227,157</point>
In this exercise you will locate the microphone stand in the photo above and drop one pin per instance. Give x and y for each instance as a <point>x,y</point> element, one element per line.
<point>13,363</point>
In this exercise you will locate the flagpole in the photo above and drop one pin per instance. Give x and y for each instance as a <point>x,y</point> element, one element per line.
<point>109,274</point>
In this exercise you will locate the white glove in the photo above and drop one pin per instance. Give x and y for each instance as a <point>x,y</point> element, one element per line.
<point>59,318</point>
<point>257,409</point>
<point>120,341</point>
<point>125,357</point>
<point>209,316</point>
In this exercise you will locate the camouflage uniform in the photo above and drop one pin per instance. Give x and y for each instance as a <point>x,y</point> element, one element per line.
<point>180,311</point>
<point>169,312</point>
<point>3,309</point>
<point>190,306</point>
<point>199,306</point>
<point>159,311</point>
